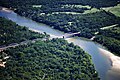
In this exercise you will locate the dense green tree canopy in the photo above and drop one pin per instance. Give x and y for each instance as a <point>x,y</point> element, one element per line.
<point>110,38</point>
<point>49,60</point>
<point>93,3</point>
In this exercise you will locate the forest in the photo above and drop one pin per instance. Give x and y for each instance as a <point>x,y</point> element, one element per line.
<point>110,38</point>
<point>87,24</point>
<point>93,3</point>
<point>48,60</point>
<point>11,32</point>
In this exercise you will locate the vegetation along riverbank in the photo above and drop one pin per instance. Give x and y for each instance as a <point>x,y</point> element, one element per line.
<point>49,59</point>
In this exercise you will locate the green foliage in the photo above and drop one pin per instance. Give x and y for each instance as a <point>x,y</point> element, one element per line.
<point>112,32</point>
<point>87,24</point>
<point>110,38</point>
<point>10,32</point>
<point>49,60</point>
<point>93,3</point>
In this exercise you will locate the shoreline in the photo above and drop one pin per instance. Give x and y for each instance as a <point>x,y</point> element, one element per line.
<point>114,71</point>
<point>51,36</point>
<point>5,9</point>
<point>114,59</point>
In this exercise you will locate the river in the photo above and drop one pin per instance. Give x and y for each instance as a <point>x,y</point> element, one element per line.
<point>102,62</point>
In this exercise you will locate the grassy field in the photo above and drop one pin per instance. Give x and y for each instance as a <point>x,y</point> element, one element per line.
<point>115,10</point>
<point>93,10</point>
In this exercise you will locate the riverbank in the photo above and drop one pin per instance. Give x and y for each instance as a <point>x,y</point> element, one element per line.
<point>114,71</point>
<point>5,9</point>
<point>51,36</point>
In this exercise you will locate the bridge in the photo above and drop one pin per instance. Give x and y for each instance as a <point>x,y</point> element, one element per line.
<point>67,35</point>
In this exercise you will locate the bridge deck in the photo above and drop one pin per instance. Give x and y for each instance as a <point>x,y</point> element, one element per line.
<point>69,35</point>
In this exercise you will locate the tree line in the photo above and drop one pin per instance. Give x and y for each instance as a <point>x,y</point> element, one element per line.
<point>11,32</point>
<point>110,38</point>
<point>93,3</point>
